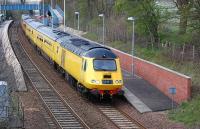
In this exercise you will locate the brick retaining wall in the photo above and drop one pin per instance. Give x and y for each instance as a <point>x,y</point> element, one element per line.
<point>158,76</point>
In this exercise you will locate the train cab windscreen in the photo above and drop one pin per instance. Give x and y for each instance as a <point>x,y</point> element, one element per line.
<point>104,65</point>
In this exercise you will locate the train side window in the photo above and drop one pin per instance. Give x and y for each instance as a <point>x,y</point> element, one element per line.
<point>83,62</point>
<point>40,38</point>
<point>57,49</point>
<point>85,66</point>
<point>47,42</point>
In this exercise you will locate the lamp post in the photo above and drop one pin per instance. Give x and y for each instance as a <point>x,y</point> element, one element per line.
<point>102,15</point>
<point>77,14</point>
<point>64,17</point>
<point>133,43</point>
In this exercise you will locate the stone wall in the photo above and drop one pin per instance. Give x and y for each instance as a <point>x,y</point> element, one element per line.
<point>12,69</point>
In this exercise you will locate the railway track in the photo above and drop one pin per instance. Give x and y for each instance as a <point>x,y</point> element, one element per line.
<point>117,117</point>
<point>64,116</point>
<point>120,119</point>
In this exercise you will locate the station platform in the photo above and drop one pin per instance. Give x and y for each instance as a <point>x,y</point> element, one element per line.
<point>143,96</point>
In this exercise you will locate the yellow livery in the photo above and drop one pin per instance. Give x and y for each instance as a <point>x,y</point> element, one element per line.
<point>88,66</point>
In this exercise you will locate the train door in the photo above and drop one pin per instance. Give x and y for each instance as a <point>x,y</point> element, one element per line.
<point>83,69</point>
<point>63,58</point>
<point>57,55</point>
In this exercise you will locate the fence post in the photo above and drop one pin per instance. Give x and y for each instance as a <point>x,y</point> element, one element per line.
<point>18,104</point>
<point>22,108</point>
<point>173,49</point>
<point>183,52</point>
<point>193,55</point>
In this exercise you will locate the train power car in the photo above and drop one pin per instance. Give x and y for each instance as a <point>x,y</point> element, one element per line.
<point>87,65</point>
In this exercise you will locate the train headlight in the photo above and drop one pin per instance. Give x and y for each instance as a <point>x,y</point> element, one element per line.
<point>95,81</point>
<point>118,81</point>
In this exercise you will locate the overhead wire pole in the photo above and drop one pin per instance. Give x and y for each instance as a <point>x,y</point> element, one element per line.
<point>39,6</point>
<point>103,30</point>
<point>43,12</point>
<point>2,11</point>
<point>5,5</point>
<point>64,18</point>
<point>52,13</point>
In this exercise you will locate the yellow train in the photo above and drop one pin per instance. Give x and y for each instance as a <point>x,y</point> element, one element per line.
<point>90,67</point>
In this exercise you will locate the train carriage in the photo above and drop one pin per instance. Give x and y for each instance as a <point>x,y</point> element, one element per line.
<point>89,66</point>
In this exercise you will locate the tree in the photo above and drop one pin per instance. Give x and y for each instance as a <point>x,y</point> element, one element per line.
<point>151,19</point>
<point>195,15</point>
<point>184,10</point>
<point>147,14</point>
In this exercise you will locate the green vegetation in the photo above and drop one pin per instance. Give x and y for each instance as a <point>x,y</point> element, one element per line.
<point>91,36</point>
<point>166,35</point>
<point>188,113</point>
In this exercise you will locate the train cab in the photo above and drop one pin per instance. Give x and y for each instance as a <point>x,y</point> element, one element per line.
<point>101,71</point>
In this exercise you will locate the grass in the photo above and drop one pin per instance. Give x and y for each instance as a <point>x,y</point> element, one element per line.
<point>188,112</point>
<point>91,36</point>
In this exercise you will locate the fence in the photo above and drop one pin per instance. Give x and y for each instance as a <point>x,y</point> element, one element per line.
<point>183,52</point>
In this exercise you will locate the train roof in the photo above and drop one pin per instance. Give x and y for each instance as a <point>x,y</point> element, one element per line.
<point>73,43</point>
<point>35,24</point>
<point>25,16</point>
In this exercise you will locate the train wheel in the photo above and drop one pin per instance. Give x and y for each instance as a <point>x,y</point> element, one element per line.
<point>79,88</point>
<point>51,61</point>
<point>100,97</point>
<point>35,46</point>
<point>55,65</point>
<point>39,51</point>
<point>62,71</point>
<point>90,97</point>
<point>111,99</point>
<point>71,81</point>
<point>66,76</point>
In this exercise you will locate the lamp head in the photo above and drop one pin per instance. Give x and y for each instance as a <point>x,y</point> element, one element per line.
<point>76,13</point>
<point>101,15</point>
<point>131,18</point>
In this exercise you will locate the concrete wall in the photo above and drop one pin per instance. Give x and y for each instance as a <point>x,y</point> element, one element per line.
<point>12,60</point>
<point>158,76</point>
